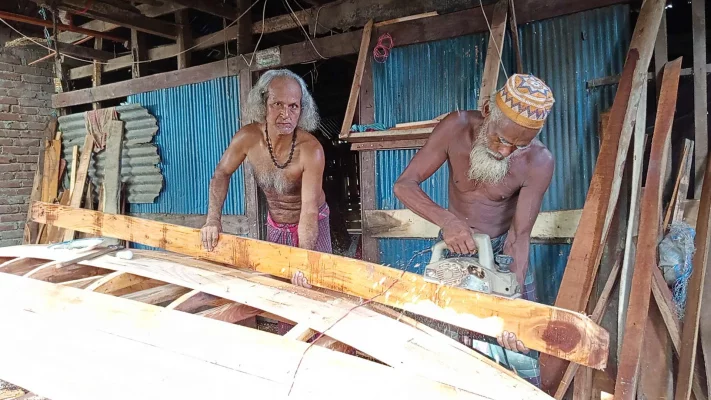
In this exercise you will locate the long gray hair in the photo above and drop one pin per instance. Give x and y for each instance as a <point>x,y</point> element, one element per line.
<point>256,110</point>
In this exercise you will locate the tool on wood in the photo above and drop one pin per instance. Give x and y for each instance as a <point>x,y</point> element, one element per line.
<point>484,273</point>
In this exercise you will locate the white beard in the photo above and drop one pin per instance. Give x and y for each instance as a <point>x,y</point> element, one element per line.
<point>483,167</point>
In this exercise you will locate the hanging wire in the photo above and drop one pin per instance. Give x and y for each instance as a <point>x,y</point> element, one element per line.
<point>491,35</point>
<point>132,62</point>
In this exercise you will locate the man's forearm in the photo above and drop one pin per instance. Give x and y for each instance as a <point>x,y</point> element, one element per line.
<point>218,192</point>
<point>308,230</point>
<point>517,246</point>
<point>415,199</point>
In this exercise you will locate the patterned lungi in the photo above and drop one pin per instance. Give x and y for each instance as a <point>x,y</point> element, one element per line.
<point>525,365</point>
<point>288,234</point>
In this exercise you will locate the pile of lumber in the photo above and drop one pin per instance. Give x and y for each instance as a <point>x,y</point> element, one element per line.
<point>650,333</point>
<point>170,326</point>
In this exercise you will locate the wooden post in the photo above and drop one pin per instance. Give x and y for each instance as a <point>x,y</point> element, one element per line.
<point>251,197</point>
<point>244,28</point>
<point>185,38</point>
<point>138,52</point>
<point>371,251</point>
<point>701,143</point>
<point>363,55</point>
<point>490,77</point>
<point>650,229</point>
<point>96,72</point>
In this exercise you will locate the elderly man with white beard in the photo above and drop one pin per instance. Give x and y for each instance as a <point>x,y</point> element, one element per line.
<point>498,173</point>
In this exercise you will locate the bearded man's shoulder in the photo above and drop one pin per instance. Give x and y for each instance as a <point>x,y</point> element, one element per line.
<point>539,156</point>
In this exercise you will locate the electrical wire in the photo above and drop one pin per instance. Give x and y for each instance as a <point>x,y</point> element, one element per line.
<point>491,35</point>
<point>256,47</point>
<point>306,34</point>
<point>133,62</point>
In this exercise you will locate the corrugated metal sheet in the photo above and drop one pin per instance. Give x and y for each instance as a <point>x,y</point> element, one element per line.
<point>139,158</point>
<point>422,81</point>
<point>196,123</point>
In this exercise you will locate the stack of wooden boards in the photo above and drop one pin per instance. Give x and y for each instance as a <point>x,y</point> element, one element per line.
<point>50,172</point>
<point>647,330</point>
<point>89,325</point>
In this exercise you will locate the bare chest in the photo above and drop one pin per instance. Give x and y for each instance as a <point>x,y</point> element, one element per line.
<point>471,190</point>
<point>282,181</point>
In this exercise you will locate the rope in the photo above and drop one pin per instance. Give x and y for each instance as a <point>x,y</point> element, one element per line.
<point>383,47</point>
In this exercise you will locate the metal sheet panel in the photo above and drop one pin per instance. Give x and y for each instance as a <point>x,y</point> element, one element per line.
<point>139,159</point>
<point>422,81</point>
<point>195,125</point>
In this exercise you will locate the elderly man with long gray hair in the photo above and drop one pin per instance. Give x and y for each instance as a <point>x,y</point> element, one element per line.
<point>288,163</point>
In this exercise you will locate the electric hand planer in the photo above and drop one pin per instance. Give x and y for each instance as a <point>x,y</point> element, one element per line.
<point>482,273</point>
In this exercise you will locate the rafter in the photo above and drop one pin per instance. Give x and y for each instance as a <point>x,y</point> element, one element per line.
<point>213,7</point>
<point>115,15</point>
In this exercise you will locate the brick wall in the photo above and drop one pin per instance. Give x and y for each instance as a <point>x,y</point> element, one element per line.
<point>25,111</point>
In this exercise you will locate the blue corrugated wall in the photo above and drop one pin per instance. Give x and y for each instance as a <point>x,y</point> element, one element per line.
<point>195,125</point>
<point>422,81</point>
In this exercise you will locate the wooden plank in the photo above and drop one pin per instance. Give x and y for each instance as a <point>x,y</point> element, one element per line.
<point>363,55</point>
<point>577,338</point>
<point>21,265</point>
<point>694,291</point>
<point>82,173</point>
<point>234,224</point>
<point>105,336</point>
<point>114,282</point>
<point>514,36</point>
<point>195,300</point>
<point>583,384</point>
<point>329,46</point>
<point>389,135</point>
<point>112,168</point>
<point>96,72</point>
<point>404,223</point>
<point>660,52</point>
<point>650,212</point>
<point>656,366</point>
<point>158,294</point>
<point>701,143</point>
<point>80,31</point>
<point>681,186</point>
<point>389,145</point>
<point>114,15</point>
<point>219,9</point>
<point>412,351</point>
<point>601,200</point>
<point>93,25</point>
<point>665,304</point>
<point>31,229</point>
<point>231,313</point>
<point>640,143</point>
<point>50,177</point>
<point>490,76</point>
<point>410,32</point>
<point>185,39</point>
<point>64,269</point>
<point>55,234</point>
<point>370,247</point>
<point>301,332</point>
<point>598,313</point>
<point>82,283</point>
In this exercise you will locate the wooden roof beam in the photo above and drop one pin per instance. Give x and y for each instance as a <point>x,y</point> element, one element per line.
<point>118,16</point>
<point>213,7</point>
<point>77,32</point>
